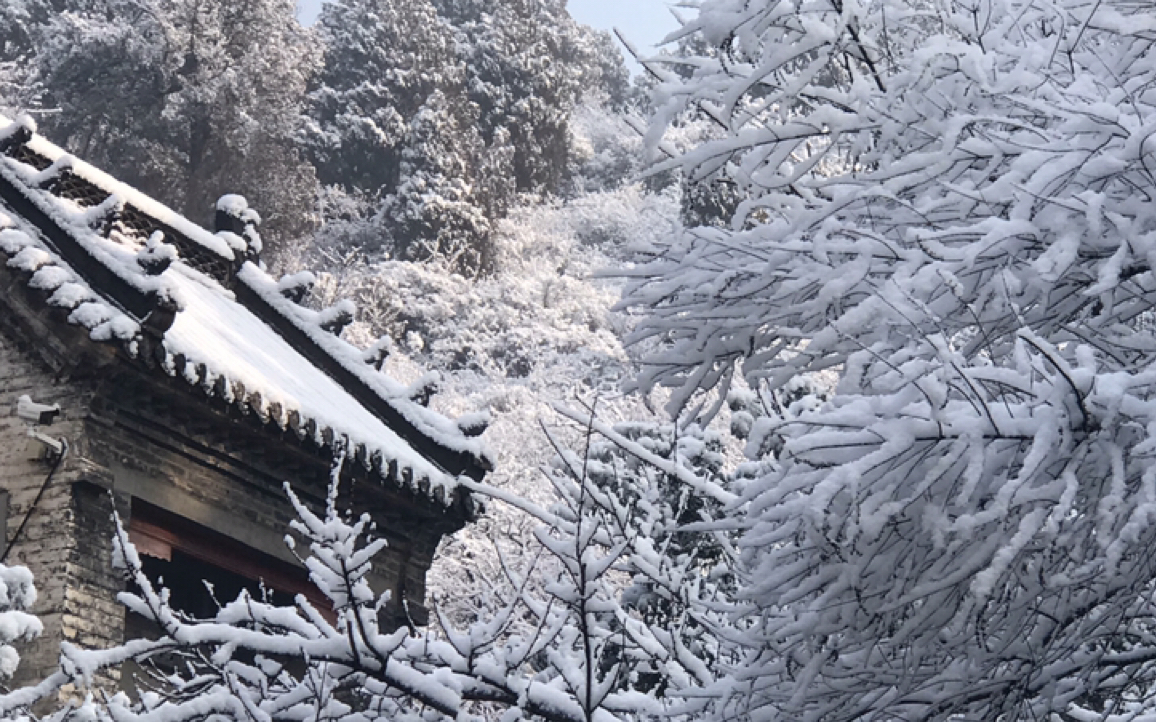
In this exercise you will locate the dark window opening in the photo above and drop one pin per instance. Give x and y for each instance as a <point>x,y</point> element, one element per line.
<point>204,569</point>
<point>197,589</point>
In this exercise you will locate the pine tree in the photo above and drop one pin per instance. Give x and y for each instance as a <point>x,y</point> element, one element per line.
<point>452,188</point>
<point>504,79</point>
<point>390,124</point>
<point>178,100</point>
<point>383,61</point>
<point>528,62</point>
<point>18,18</point>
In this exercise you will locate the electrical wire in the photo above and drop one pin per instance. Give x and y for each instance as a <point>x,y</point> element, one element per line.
<point>36,501</point>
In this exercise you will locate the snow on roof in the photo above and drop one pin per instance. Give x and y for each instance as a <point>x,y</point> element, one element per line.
<point>64,286</point>
<point>228,340</point>
<point>78,220</point>
<point>352,359</point>
<point>213,340</point>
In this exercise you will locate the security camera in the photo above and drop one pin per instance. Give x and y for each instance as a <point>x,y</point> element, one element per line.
<point>39,414</point>
<point>41,447</point>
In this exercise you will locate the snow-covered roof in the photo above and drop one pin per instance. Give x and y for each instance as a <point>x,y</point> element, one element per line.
<point>198,307</point>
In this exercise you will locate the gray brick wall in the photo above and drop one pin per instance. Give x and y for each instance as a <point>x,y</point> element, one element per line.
<point>63,541</point>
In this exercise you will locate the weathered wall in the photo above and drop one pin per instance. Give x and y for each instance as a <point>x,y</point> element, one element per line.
<point>66,541</point>
<point>219,470</point>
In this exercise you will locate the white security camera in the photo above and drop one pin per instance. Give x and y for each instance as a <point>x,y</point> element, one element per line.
<point>39,414</point>
<point>41,447</point>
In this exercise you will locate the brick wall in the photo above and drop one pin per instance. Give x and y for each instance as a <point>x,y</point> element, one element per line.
<point>66,535</point>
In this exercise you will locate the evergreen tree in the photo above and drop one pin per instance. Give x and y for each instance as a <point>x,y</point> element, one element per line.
<point>180,100</point>
<point>18,18</point>
<point>383,61</point>
<point>451,187</point>
<point>436,114</point>
<point>390,124</point>
<point>529,61</point>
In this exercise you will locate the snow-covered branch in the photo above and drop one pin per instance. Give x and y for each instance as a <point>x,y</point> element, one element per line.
<point>950,207</point>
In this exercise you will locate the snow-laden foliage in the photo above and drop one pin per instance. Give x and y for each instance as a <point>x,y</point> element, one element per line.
<point>427,118</point>
<point>178,100</point>
<point>383,59</point>
<point>17,594</point>
<point>950,205</point>
<point>528,63</point>
<point>436,114</point>
<point>452,188</point>
<point>390,125</point>
<point>606,150</point>
<point>669,513</point>
<point>18,627</point>
<point>530,334</point>
<point>17,83</point>
<point>509,345</point>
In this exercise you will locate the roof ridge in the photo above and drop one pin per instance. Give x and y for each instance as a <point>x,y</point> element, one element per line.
<point>265,304</point>
<point>150,307</point>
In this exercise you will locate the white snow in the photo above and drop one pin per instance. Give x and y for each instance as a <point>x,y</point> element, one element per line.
<point>431,423</point>
<point>9,128</point>
<point>232,204</point>
<point>121,260</point>
<point>49,273</point>
<point>230,341</point>
<point>295,281</point>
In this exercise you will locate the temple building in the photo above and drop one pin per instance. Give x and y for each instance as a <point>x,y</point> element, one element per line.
<point>152,366</point>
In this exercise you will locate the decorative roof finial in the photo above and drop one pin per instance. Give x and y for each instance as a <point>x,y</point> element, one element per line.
<point>234,216</point>
<point>297,286</point>
<point>156,255</point>
<point>335,318</point>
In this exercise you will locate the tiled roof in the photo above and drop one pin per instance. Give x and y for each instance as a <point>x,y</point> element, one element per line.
<point>208,315</point>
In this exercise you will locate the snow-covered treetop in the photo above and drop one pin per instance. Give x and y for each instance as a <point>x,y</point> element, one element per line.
<point>127,268</point>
